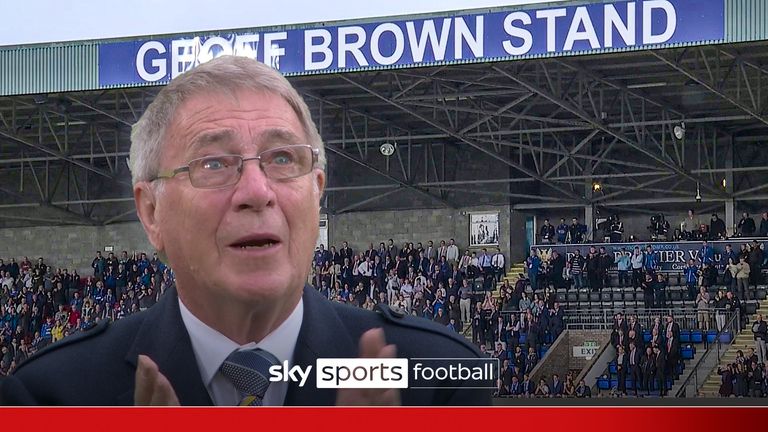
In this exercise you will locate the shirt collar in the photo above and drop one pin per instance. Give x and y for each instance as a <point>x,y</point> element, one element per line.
<point>211,348</point>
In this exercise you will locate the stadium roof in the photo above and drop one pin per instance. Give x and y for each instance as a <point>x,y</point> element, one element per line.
<point>531,133</point>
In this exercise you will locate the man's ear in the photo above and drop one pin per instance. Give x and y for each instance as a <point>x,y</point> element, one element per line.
<point>320,183</point>
<point>145,197</point>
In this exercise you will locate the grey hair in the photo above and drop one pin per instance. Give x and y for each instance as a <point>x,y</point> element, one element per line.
<point>225,74</point>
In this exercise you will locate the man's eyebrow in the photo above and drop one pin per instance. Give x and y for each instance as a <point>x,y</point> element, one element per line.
<point>210,138</point>
<point>278,136</point>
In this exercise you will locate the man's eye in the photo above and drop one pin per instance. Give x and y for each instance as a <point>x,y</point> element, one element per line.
<point>213,164</point>
<point>283,158</point>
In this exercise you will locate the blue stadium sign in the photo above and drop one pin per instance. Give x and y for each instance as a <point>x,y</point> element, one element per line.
<point>450,38</point>
<point>672,256</point>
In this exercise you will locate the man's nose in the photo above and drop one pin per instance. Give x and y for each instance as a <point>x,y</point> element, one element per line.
<point>254,189</point>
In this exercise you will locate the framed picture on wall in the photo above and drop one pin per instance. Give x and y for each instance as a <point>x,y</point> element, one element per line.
<point>483,229</point>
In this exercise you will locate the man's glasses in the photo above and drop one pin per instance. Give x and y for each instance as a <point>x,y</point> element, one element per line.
<point>281,163</point>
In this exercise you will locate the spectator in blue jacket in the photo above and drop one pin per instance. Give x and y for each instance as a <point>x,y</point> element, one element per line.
<point>650,261</point>
<point>691,278</point>
<point>533,264</point>
<point>562,231</point>
<point>623,265</point>
<point>46,330</point>
<point>706,253</point>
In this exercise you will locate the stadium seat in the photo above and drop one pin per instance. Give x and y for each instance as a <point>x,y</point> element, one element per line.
<point>594,297</point>
<point>750,307</point>
<point>561,297</point>
<point>572,297</point>
<point>617,305</point>
<point>629,296</point>
<point>603,383</point>
<point>697,336</point>
<point>675,294</point>
<point>686,352</point>
<point>607,305</point>
<point>617,296</point>
<point>677,304</point>
<point>640,297</point>
<point>606,296</point>
<point>646,336</point>
<point>685,336</point>
<point>726,337</point>
<point>711,335</point>
<point>761,293</point>
<point>583,296</point>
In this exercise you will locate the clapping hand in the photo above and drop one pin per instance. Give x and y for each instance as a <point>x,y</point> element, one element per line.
<point>372,345</point>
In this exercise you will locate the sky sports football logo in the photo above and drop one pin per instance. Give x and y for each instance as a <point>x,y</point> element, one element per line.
<point>424,373</point>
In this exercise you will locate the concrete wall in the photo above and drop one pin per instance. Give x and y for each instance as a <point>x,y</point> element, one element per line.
<point>74,246</point>
<point>559,358</point>
<point>361,228</point>
<point>71,246</point>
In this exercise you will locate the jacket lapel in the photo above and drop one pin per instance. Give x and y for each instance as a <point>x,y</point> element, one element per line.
<point>323,335</point>
<point>163,337</point>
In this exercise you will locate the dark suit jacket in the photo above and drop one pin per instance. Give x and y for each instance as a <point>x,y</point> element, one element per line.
<point>675,330</point>
<point>527,389</point>
<point>638,358</point>
<point>98,367</point>
<point>556,390</point>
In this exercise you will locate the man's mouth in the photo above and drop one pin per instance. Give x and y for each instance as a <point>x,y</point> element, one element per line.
<point>255,243</point>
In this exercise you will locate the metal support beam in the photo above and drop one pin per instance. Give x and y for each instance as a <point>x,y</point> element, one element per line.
<point>368,200</point>
<point>598,125</point>
<point>462,138</point>
<point>730,205</point>
<point>713,88</point>
<point>62,156</point>
<point>64,212</point>
<point>120,216</point>
<point>419,190</point>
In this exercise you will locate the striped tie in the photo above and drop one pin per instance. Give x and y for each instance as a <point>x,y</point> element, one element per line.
<point>248,371</point>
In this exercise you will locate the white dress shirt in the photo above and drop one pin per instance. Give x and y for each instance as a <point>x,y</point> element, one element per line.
<point>211,348</point>
<point>452,254</point>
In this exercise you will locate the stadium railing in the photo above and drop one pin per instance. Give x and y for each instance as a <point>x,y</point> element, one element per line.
<point>711,357</point>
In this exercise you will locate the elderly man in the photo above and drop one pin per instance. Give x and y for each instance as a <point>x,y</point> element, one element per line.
<point>228,172</point>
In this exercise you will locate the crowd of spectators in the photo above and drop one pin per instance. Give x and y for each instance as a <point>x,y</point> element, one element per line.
<point>692,228</point>
<point>435,282</point>
<point>745,377</point>
<point>650,365</point>
<point>715,283</point>
<point>40,305</point>
<point>740,271</point>
<point>512,384</point>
